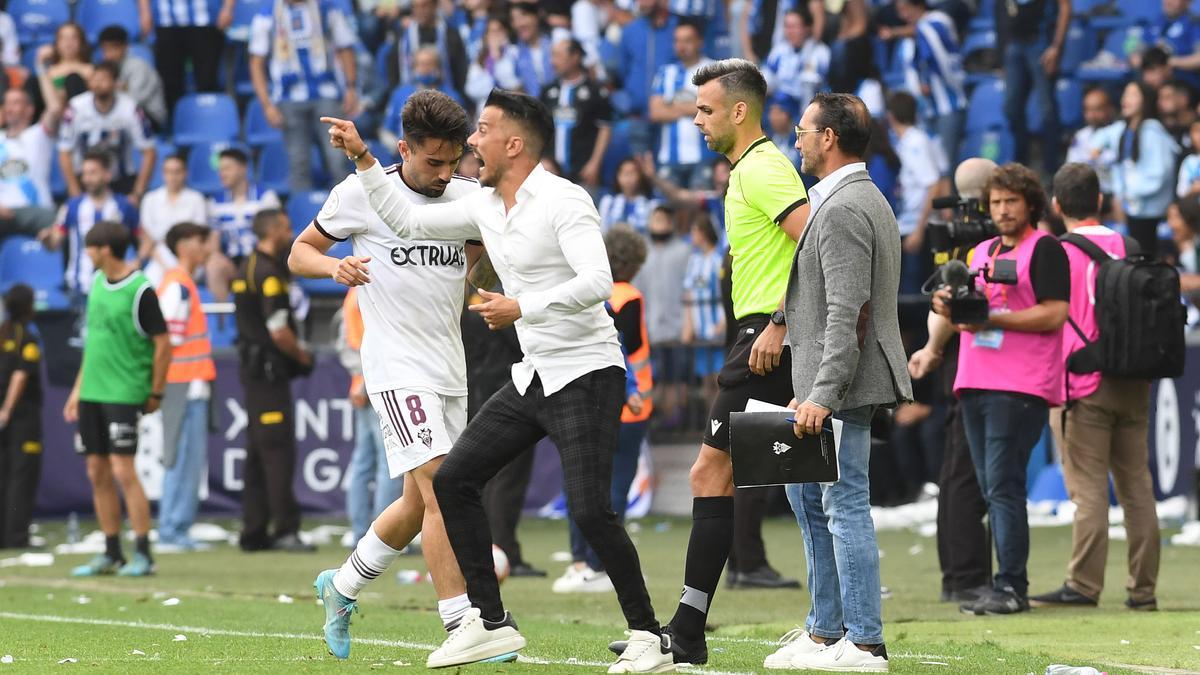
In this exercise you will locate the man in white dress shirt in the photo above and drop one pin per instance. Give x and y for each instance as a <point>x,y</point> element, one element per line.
<point>543,236</point>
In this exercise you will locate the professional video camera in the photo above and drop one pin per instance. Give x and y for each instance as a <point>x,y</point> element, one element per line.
<point>969,225</point>
<point>967,305</point>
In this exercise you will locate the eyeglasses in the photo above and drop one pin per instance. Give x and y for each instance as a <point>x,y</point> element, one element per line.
<point>801,132</point>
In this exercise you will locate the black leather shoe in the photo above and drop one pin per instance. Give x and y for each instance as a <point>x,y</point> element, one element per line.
<point>963,595</point>
<point>1063,597</point>
<point>997,601</point>
<point>765,577</point>
<point>688,653</point>
<point>732,578</point>
<point>1150,605</point>
<point>291,543</point>
<point>525,570</point>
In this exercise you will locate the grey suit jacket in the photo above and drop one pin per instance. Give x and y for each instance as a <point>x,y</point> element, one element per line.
<point>841,302</point>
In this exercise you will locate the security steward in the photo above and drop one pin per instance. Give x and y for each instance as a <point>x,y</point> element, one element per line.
<point>271,355</point>
<point>20,417</point>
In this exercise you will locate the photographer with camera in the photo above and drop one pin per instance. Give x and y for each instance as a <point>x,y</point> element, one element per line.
<point>964,547</point>
<point>1108,424</point>
<point>1010,308</point>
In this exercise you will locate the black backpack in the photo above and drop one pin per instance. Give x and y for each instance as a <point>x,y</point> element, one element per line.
<point>1139,314</point>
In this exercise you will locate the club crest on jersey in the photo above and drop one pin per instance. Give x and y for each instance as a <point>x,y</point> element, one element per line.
<point>429,255</point>
<point>426,436</point>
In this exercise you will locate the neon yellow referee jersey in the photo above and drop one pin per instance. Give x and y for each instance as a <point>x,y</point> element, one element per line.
<point>764,189</point>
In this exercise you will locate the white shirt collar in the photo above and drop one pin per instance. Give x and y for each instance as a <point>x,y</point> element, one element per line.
<point>826,185</point>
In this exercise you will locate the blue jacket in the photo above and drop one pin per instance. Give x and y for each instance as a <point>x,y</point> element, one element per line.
<point>644,49</point>
<point>1145,187</point>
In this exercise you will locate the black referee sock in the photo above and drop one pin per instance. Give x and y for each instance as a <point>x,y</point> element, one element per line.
<point>708,550</point>
<point>143,546</point>
<point>112,548</point>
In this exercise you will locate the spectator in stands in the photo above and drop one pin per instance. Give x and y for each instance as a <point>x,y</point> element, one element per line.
<point>1188,182</point>
<point>231,215</point>
<point>936,74</point>
<point>20,417</point>
<point>646,46</point>
<point>855,72</point>
<point>490,69</point>
<point>1154,68</point>
<point>1107,426</point>
<point>163,209</point>
<point>187,31</point>
<point>12,76</point>
<point>762,25</point>
<point>426,73</point>
<point>26,150</point>
<point>661,282</point>
<point>883,164</point>
<point>135,76</point>
<point>583,116</point>
<point>704,313</point>
<point>1184,218</point>
<point>103,119</point>
<point>782,113</point>
<point>1098,113</point>
<point>1143,176</point>
<point>10,44</point>
<point>1031,37</point>
<point>187,398</point>
<point>67,65</point>
<point>710,200</point>
<point>1178,34</point>
<point>425,28</point>
<point>683,155</point>
<point>630,200</point>
<point>81,213</point>
<point>799,65</point>
<point>297,41</point>
<point>529,56</point>
<point>922,165</point>
<point>1176,111</point>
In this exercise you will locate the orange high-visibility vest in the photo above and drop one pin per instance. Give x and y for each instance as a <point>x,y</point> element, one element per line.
<point>639,361</point>
<point>352,324</point>
<point>192,359</point>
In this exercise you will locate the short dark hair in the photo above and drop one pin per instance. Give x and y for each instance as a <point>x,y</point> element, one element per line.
<point>175,156</point>
<point>184,231</point>
<point>739,78</point>
<point>18,303</point>
<point>529,113</point>
<point>431,114</point>
<point>1184,88</point>
<point>626,252</point>
<point>236,154</point>
<point>111,235</point>
<point>104,158</point>
<point>1021,180</point>
<point>849,118</point>
<point>1077,191</point>
<point>110,67</point>
<point>263,220</point>
<point>574,47</point>
<point>114,34</point>
<point>703,222</point>
<point>1189,210</point>
<point>903,107</point>
<point>802,12</point>
<point>693,25</point>
<point>1154,57</point>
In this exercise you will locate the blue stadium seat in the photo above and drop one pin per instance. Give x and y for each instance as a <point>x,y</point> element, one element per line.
<point>243,13</point>
<point>24,260</point>
<point>222,328</point>
<point>985,17</point>
<point>96,15</point>
<point>1120,43</point>
<point>242,86</point>
<point>202,166</point>
<point>257,130</point>
<point>995,144</point>
<point>272,169</point>
<point>302,207</point>
<point>203,118</point>
<point>1079,46</point>
<point>37,20</point>
<point>326,286</point>
<point>1068,94</point>
<point>986,108</point>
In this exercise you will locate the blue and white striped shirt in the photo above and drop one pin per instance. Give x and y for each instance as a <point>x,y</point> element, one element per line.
<point>798,72</point>
<point>702,294</point>
<point>680,142</point>
<point>174,13</point>
<point>301,52</point>
<point>617,208</point>
<point>937,63</point>
<point>233,220</point>
<point>77,217</point>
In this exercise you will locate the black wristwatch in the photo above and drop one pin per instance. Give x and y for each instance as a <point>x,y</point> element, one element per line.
<point>778,318</point>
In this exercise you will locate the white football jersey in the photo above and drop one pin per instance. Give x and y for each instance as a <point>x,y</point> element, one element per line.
<point>412,307</point>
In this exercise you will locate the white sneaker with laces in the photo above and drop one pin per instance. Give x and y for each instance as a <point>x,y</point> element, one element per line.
<point>645,652</point>
<point>582,580</point>
<point>473,642</point>
<point>843,657</point>
<point>569,579</point>
<point>793,642</point>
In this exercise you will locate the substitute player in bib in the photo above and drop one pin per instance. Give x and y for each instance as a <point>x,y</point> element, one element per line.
<point>412,350</point>
<point>765,211</point>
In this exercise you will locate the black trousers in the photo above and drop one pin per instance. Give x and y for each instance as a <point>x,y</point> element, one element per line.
<point>582,419</point>
<point>20,470</point>
<point>267,494</point>
<point>503,499</point>
<point>964,547</point>
<point>749,553</point>
<point>174,46</point>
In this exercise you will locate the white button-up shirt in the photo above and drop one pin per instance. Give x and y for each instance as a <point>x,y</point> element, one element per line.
<point>818,192</point>
<point>548,253</point>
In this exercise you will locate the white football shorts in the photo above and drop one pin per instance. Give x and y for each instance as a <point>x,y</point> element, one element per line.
<point>418,425</point>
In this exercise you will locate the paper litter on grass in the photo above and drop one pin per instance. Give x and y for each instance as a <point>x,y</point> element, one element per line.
<point>170,602</point>
<point>83,600</point>
<point>137,652</point>
<point>68,660</point>
<point>180,638</point>
<point>286,599</point>
<point>7,658</point>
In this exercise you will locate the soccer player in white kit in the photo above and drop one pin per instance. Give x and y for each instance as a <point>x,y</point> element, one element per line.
<point>412,350</point>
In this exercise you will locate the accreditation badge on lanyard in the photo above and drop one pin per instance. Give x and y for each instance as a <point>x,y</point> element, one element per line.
<point>993,338</point>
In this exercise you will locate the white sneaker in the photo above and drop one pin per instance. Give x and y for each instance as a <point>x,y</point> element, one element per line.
<point>582,580</point>
<point>473,642</point>
<point>793,642</point>
<point>645,652</point>
<point>843,657</point>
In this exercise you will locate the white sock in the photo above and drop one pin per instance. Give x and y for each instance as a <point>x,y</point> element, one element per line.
<point>452,611</point>
<point>371,557</point>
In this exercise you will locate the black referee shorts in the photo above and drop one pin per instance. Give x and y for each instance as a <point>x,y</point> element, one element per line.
<point>737,384</point>
<point>108,428</point>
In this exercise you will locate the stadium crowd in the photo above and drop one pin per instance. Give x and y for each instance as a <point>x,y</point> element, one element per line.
<point>151,115</point>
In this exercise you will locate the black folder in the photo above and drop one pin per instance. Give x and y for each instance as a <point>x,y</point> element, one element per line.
<point>765,451</point>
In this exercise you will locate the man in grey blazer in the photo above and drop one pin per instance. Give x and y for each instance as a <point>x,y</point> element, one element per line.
<point>847,360</point>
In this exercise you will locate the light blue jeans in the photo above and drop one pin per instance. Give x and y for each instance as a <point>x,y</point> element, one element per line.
<point>368,462</point>
<point>181,484</point>
<point>839,541</point>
